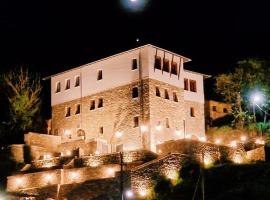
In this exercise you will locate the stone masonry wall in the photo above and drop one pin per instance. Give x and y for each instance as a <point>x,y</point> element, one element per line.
<point>256,154</point>
<point>161,108</point>
<point>59,176</point>
<point>128,157</point>
<point>195,125</point>
<point>143,177</point>
<point>49,142</point>
<point>199,150</point>
<point>117,113</point>
<point>119,110</point>
<point>17,152</point>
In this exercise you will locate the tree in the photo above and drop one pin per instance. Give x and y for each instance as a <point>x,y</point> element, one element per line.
<point>23,94</point>
<point>235,87</point>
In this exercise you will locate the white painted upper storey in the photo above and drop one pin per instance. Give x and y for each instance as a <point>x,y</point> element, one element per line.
<point>117,71</point>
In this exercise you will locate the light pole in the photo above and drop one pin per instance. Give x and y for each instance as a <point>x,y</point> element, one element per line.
<point>256,99</point>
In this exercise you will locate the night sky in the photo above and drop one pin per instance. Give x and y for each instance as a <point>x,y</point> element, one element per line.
<point>50,36</point>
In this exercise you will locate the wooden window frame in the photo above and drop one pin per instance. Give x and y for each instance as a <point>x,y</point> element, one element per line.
<point>78,109</point>
<point>136,122</point>
<point>192,112</point>
<point>157,64</point>
<point>58,87</point>
<point>68,112</point>
<point>186,84</point>
<point>77,81</point>
<point>193,85</point>
<point>92,105</point>
<point>166,65</point>
<point>134,64</point>
<point>100,75</point>
<point>135,92</point>
<point>174,69</point>
<point>166,94</point>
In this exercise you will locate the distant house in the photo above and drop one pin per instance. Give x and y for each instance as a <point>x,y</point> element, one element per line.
<point>216,110</point>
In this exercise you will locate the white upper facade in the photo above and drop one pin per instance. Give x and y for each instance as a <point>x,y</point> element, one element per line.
<point>118,70</point>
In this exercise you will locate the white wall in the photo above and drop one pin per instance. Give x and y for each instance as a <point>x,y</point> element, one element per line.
<point>117,72</point>
<point>195,96</point>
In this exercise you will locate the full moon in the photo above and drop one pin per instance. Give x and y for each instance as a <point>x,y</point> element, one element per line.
<point>134,5</point>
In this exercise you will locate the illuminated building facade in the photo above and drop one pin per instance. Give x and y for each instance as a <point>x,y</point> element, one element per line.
<point>133,100</point>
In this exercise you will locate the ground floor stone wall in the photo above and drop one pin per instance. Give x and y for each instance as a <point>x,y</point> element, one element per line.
<point>141,156</point>
<point>104,189</point>
<point>143,177</point>
<point>49,142</point>
<point>209,153</point>
<point>116,114</point>
<point>60,176</point>
<point>16,152</point>
<point>256,154</point>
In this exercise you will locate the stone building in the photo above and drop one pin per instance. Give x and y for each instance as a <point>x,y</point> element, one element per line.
<point>132,100</point>
<point>216,110</point>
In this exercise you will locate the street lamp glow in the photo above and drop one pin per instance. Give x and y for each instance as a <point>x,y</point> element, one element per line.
<point>233,144</point>
<point>19,181</point>
<point>217,141</point>
<point>188,136</point>
<point>144,128</point>
<point>110,171</point>
<point>129,193</point>
<point>159,127</point>
<point>203,139</point>
<point>243,138</point>
<point>259,141</point>
<point>257,97</point>
<point>142,193</point>
<point>118,134</point>
<point>178,132</point>
<point>48,178</point>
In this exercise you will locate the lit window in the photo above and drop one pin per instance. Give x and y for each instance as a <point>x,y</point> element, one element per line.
<point>134,64</point>
<point>193,86</point>
<point>174,68</point>
<point>92,105</point>
<point>99,77</point>
<point>157,62</point>
<point>67,84</point>
<point>100,103</point>
<point>101,130</point>
<point>78,109</point>
<point>166,94</point>
<point>77,81</point>
<point>135,92</point>
<point>68,112</point>
<point>166,65</point>
<point>175,98</point>
<point>192,112</point>
<point>225,110</point>
<point>157,92</point>
<point>185,84</point>
<point>58,87</point>
<point>214,108</point>
<point>167,123</point>
<point>136,121</point>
